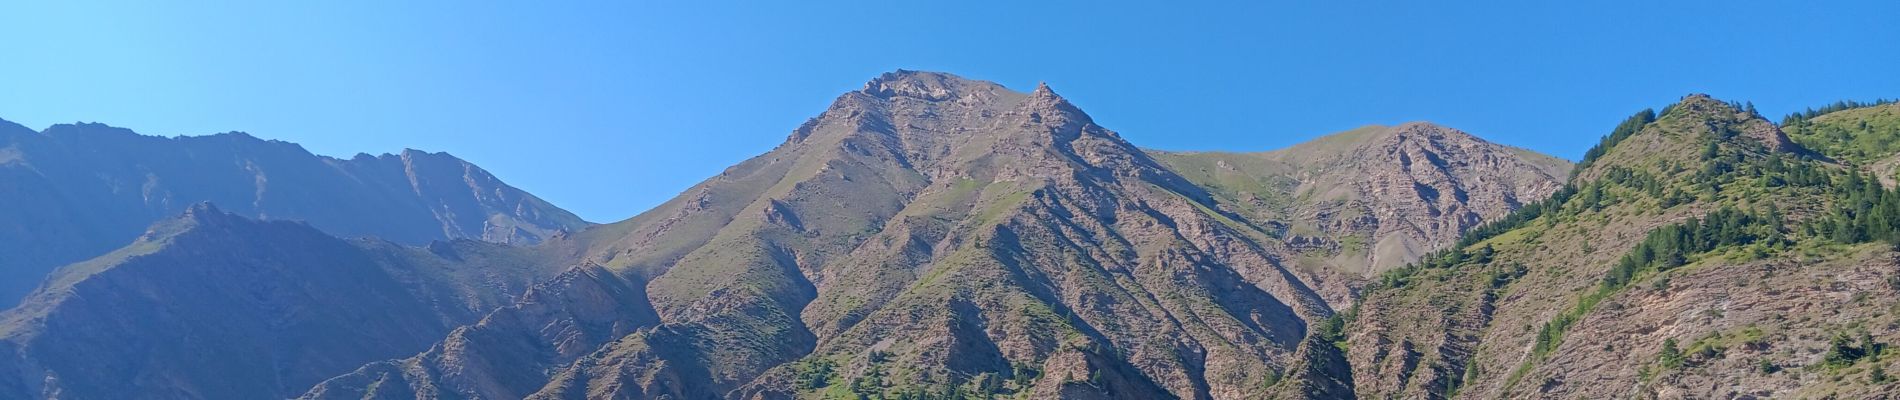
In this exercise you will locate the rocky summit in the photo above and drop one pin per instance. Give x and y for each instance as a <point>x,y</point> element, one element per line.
<point>930,236</point>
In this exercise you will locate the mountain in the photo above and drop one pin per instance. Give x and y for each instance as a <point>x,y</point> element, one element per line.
<point>1698,252</point>
<point>76,191</point>
<point>214,305</point>
<point>1375,198</point>
<point>1865,135</point>
<point>930,235</point>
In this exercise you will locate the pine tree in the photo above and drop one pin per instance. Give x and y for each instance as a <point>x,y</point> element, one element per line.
<point>1671,356</point>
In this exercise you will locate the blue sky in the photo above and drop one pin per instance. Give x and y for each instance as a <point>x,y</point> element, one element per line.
<point>610,108</point>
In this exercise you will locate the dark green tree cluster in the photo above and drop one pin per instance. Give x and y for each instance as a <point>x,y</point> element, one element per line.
<point>951,392</point>
<point>1624,130</point>
<point>1671,246</point>
<point>1786,170</point>
<point>1663,249</point>
<point>1844,351</point>
<point>1637,180</point>
<point>1595,195</point>
<point>1023,374</point>
<point>1516,218</point>
<point>1671,356</point>
<point>1441,259</point>
<point>1641,181</point>
<point>872,385</point>
<point>1863,212</point>
<point>1746,106</point>
<point>1802,117</point>
<point>814,374</point>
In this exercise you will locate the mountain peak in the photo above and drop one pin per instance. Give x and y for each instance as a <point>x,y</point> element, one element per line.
<point>1376,139</point>
<point>1681,132</point>
<point>1045,100</point>
<point>1731,120</point>
<point>1427,129</point>
<point>932,86</point>
<point>1703,103</point>
<point>202,207</point>
<point>204,214</point>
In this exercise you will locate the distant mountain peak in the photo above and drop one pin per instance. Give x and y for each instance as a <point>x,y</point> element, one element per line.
<point>207,214</point>
<point>203,209</point>
<point>1372,140</point>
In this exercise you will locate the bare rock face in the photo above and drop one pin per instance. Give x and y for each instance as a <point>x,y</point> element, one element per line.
<point>1428,184</point>
<point>1415,187</point>
<point>77,191</point>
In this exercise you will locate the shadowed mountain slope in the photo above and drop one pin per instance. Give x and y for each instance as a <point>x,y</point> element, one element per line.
<point>214,305</point>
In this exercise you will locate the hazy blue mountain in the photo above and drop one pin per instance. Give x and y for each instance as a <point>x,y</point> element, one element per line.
<point>211,305</point>
<point>76,191</point>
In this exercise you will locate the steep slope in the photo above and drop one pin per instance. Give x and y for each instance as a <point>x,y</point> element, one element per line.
<point>1374,198</point>
<point>925,234</point>
<point>1863,135</point>
<point>77,191</point>
<point>214,305</point>
<point>1694,255</point>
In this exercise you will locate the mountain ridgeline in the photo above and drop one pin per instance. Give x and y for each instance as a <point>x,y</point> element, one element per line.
<point>213,305</point>
<point>935,237</point>
<point>75,191</point>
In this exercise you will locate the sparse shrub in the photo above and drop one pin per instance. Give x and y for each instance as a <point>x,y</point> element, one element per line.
<point>1671,356</point>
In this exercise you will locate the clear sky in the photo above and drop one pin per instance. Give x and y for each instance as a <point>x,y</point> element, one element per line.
<point>608,109</point>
